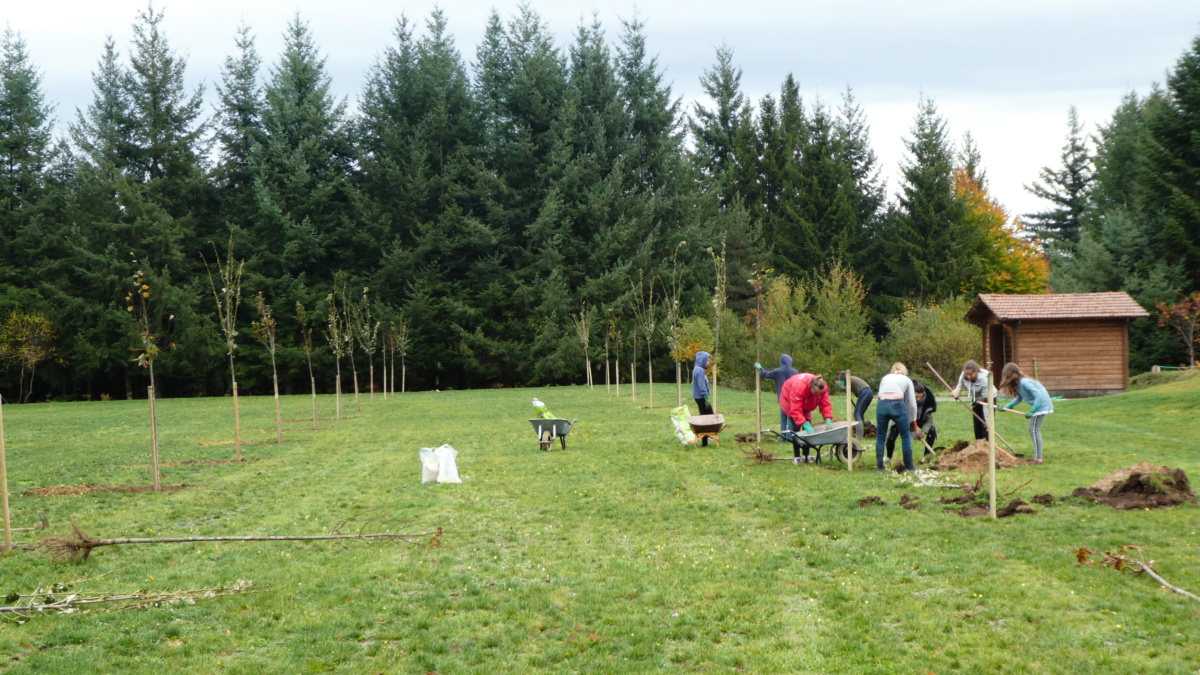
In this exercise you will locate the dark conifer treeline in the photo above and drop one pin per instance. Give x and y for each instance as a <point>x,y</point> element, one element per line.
<point>485,200</point>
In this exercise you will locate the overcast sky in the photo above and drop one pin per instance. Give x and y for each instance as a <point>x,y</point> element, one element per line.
<point>1006,71</point>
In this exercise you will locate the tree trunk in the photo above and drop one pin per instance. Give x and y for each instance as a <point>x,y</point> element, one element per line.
<point>4,485</point>
<point>237,419</point>
<point>403,374</point>
<point>607,363</point>
<point>383,375</point>
<point>354,371</point>
<point>316,423</point>
<point>678,384</point>
<point>617,378</point>
<point>278,415</point>
<point>650,372</point>
<point>633,376</point>
<point>21,385</point>
<point>150,396</point>
<point>589,372</point>
<point>338,388</point>
<point>371,382</point>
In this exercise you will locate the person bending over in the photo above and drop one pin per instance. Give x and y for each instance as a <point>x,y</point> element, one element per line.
<point>897,406</point>
<point>975,382</point>
<point>861,391</point>
<point>803,393</point>
<point>1015,383</point>
<point>926,428</point>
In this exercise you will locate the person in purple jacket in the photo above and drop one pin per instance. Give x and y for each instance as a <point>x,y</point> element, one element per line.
<point>779,376</point>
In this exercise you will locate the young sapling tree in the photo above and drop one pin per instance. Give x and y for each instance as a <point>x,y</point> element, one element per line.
<point>672,321</point>
<point>264,330</point>
<point>718,300</point>
<point>583,330</point>
<point>336,336</point>
<point>366,334</point>
<point>306,336</point>
<point>228,298</point>
<point>137,304</point>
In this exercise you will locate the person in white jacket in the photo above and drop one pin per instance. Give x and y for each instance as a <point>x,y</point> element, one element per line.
<point>975,382</point>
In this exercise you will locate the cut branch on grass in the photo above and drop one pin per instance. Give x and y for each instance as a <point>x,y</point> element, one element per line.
<point>78,545</point>
<point>58,599</point>
<point>1122,562</point>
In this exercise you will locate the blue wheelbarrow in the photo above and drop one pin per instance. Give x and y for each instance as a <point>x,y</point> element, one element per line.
<point>549,429</point>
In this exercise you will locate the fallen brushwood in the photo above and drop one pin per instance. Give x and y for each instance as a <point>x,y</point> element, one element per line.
<point>79,544</point>
<point>58,599</point>
<point>754,453</point>
<point>1122,562</point>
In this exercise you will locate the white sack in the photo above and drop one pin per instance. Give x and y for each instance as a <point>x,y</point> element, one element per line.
<point>438,465</point>
<point>449,468</point>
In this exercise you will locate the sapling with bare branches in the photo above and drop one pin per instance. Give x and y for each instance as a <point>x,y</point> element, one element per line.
<point>306,336</point>
<point>228,298</point>
<point>400,342</point>
<point>349,316</point>
<point>646,318</point>
<point>673,320</point>
<point>264,330</point>
<point>583,330</point>
<point>1184,317</point>
<point>366,334</point>
<point>336,336</point>
<point>137,304</point>
<point>718,300</point>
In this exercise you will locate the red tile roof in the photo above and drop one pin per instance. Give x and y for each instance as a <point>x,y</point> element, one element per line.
<point>1057,306</point>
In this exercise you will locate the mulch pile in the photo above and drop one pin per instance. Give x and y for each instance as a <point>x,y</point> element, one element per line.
<point>76,490</point>
<point>973,458</point>
<point>1141,486</point>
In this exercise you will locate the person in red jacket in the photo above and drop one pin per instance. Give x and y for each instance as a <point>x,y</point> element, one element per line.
<point>801,394</point>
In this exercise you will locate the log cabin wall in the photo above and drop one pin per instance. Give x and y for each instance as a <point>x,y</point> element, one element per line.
<point>1073,356</point>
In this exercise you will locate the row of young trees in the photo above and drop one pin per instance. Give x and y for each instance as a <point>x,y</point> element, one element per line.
<point>484,204</point>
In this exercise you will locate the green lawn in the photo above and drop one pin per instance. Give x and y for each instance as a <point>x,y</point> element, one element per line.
<point>627,553</point>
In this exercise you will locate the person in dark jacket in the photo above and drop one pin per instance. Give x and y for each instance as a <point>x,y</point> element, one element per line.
<point>779,376</point>
<point>926,428</point>
<point>861,391</point>
<point>700,392</point>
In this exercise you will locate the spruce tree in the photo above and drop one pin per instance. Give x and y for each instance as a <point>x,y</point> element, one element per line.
<point>1066,188</point>
<point>714,132</point>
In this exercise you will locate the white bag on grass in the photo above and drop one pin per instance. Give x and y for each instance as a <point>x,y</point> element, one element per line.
<point>438,465</point>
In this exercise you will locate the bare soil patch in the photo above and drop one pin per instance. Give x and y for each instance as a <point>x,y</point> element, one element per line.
<point>871,501</point>
<point>76,490</point>
<point>1014,507</point>
<point>1141,486</point>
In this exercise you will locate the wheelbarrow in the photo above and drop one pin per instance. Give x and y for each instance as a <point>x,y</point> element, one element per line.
<point>834,436</point>
<point>707,426</point>
<point>549,429</point>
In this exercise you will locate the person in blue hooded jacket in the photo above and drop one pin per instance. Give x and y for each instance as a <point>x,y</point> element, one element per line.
<point>700,390</point>
<point>779,376</point>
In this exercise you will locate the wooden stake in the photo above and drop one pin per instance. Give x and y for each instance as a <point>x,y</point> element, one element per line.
<point>758,355</point>
<point>237,425</point>
<point>633,377</point>
<point>849,426</point>
<point>4,485</point>
<point>154,437</point>
<point>991,425</point>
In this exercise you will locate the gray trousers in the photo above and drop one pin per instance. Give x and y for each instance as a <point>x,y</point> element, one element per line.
<point>1035,432</point>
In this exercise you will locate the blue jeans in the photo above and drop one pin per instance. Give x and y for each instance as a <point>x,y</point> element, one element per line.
<point>895,412</point>
<point>785,422</point>
<point>862,403</point>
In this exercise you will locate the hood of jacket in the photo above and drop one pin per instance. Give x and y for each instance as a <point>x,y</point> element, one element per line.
<point>785,361</point>
<point>702,359</point>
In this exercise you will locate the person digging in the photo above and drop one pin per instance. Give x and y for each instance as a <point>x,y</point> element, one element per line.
<point>926,428</point>
<point>802,393</point>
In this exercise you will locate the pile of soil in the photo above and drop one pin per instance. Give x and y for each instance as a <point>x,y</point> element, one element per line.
<point>910,502</point>
<point>749,438</point>
<point>868,430</point>
<point>871,501</point>
<point>1141,486</point>
<point>973,458</point>
<point>1043,500</point>
<point>75,490</point>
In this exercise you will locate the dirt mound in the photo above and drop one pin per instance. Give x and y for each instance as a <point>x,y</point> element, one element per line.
<point>868,430</point>
<point>973,458</point>
<point>871,501</point>
<point>750,438</point>
<point>907,499</point>
<point>75,490</point>
<point>1043,500</point>
<point>1141,486</point>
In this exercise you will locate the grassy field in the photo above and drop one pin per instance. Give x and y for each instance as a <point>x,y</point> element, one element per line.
<point>626,553</point>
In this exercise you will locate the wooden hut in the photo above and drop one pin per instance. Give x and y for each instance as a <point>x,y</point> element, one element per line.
<point>1076,344</point>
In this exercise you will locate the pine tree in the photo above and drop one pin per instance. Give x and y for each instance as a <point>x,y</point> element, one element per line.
<point>239,131</point>
<point>928,250</point>
<point>25,128</point>
<point>1066,188</point>
<point>715,131</point>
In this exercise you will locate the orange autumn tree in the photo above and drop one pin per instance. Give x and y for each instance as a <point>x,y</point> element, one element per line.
<point>1010,261</point>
